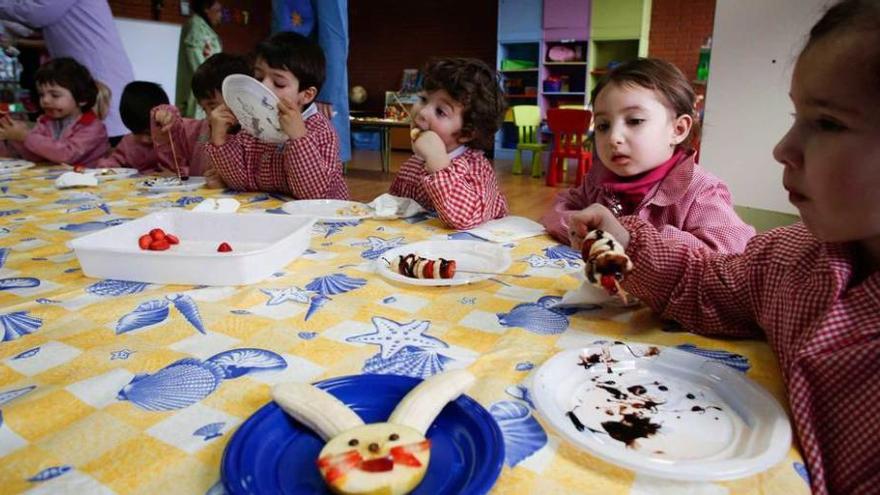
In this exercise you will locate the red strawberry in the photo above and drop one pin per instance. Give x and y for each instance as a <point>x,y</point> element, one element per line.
<point>378,465</point>
<point>447,268</point>
<point>172,239</point>
<point>159,245</point>
<point>609,283</point>
<point>403,454</point>
<point>79,168</point>
<point>144,241</point>
<point>224,247</point>
<point>428,271</point>
<point>157,234</point>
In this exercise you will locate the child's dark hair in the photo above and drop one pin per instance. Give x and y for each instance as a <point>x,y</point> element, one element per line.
<point>473,84</point>
<point>209,77</point>
<point>660,76</point>
<point>297,54</point>
<point>850,15</point>
<point>199,7</point>
<point>138,98</point>
<point>71,75</point>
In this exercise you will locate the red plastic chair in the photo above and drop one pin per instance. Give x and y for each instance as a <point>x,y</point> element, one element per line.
<point>569,128</point>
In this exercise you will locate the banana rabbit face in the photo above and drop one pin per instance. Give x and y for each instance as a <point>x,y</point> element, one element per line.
<point>374,458</point>
<point>380,458</point>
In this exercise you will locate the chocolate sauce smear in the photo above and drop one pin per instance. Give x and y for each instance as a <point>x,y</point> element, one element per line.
<point>631,428</point>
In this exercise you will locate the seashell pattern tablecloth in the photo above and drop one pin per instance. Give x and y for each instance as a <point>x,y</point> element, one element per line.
<point>109,386</point>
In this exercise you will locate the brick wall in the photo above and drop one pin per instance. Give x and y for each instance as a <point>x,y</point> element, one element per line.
<point>387,36</point>
<point>678,29</point>
<point>236,38</point>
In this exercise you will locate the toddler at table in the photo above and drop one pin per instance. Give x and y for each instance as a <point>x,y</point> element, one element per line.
<point>459,110</point>
<point>189,136</point>
<point>813,288</point>
<point>306,165</point>
<point>644,124</point>
<point>135,150</point>
<point>68,131</point>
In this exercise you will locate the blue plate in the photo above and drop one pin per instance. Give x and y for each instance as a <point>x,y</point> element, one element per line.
<point>273,453</point>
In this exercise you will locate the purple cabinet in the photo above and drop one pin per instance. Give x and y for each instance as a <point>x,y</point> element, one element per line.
<point>566,19</point>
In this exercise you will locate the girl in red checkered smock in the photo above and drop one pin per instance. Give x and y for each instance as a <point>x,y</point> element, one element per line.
<point>459,110</point>
<point>811,289</point>
<point>644,123</point>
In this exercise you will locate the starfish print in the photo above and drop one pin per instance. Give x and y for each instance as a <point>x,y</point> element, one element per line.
<point>282,295</point>
<point>121,354</point>
<point>378,246</point>
<point>538,261</point>
<point>392,336</point>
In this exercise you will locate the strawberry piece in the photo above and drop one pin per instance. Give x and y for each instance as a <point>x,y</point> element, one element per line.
<point>157,234</point>
<point>378,465</point>
<point>224,247</point>
<point>159,245</point>
<point>609,282</point>
<point>335,473</point>
<point>428,270</point>
<point>404,458</point>
<point>447,268</point>
<point>172,239</point>
<point>144,241</point>
<point>352,458</point>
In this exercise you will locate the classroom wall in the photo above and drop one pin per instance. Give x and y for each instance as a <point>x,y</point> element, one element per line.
<point>236,38</point>
<point>678,29</point>
<point>387,36</point>
<point>755,43</point>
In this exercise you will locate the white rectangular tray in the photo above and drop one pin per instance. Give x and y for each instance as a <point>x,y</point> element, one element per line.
<point>262,244</point>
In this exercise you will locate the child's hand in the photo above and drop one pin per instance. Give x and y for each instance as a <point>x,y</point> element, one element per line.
<point>595,217</point>
<point>221,120</point>
<point>212,179</point>
<point>12,130</point>
<point>291,119</point>
<point>165,119</point>
<point>430,147</point>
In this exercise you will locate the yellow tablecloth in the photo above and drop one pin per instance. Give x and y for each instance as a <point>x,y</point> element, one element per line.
<point>75,418</point>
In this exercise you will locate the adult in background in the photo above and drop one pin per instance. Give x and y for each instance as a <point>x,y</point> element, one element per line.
<point>84,31</point>
<point>327,22</point>
<point>198,41</point>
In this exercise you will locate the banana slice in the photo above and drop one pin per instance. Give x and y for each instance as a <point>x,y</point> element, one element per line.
<point>414,133</point>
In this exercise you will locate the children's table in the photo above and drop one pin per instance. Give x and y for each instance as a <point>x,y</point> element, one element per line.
<point>94,398</point>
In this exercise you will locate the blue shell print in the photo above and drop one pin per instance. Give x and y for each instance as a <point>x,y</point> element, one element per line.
<point>465,236</point>
<point>239,362</point>
<point>379,245</point>
<point>563,252</point>
<point>49,473</point>
<point>409,361</point>
<point>801,470</point>
<point>210,430</point>
<point>178,385</point>
<point>4,253</point>
<point>27,354</point>
<point>524,366</point>
<point>337,283</point>
<point>541,317</point>
<point>307,335</point>
<point>187,307</point>
<point>147,313</point>
<point>9,213</point>
<point>735,361</point>
<point>10,395</point>
<point>18,283</point>
<point>523,436</point>
<point>110,287</point>
<point>18,324</point>
<point>93,225</point>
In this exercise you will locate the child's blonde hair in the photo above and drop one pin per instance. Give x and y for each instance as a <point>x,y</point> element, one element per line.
<point>102,102</point>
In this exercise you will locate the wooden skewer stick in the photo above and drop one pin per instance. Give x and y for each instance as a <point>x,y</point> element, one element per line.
<point>174,154</point>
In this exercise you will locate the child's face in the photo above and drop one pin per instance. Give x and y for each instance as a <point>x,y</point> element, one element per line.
<point>831,154</point>
<point>437,111</point>
<point>209,104</point>
<point>635,131</point>
<point>57,102</point>
<point>284,84</point>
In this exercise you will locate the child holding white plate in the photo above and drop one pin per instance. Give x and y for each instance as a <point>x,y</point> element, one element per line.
<point>307,164</point>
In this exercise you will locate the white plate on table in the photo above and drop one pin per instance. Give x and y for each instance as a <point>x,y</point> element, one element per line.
<point>103,174</point>
<point>476,256</point>
<point>328,210</point>
<point>10,166</point>
<point>662,411</point>
<point>261,245</point>
<point>171,184</point>
<point>255,106</point>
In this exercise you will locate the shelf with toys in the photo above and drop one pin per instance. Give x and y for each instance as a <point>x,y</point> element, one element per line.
<point>564,76</point>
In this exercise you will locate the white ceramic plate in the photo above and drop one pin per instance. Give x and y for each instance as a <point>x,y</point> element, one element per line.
<point>255,106</point>
<point>12,165</point>
<point>662,412</point>
<point>171,184</point>
<point>114,173</point>
<point>468,255</point>
<point>328,210</point>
